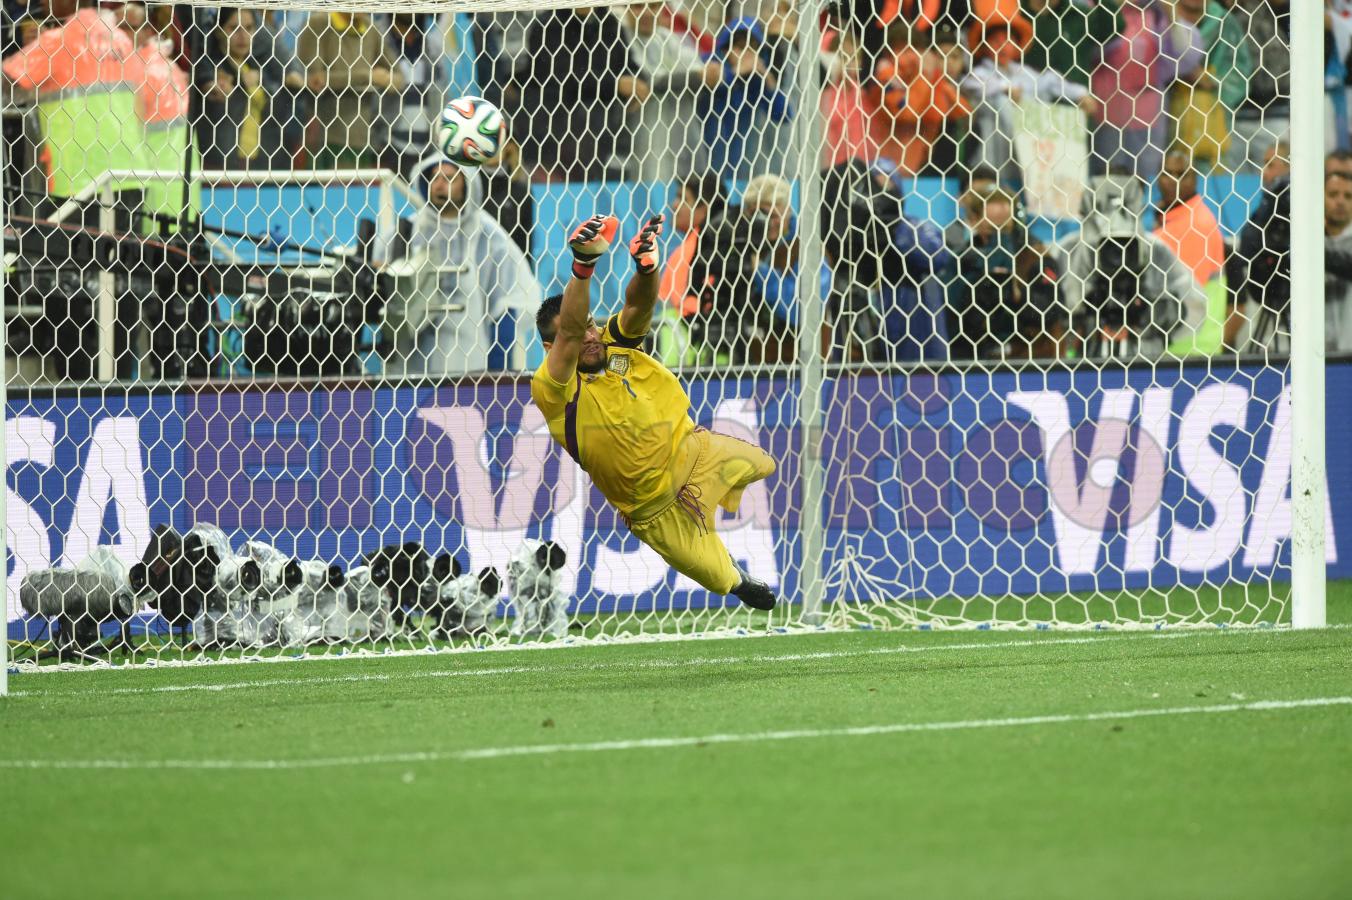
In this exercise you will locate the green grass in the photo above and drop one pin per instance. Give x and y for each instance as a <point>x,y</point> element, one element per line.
<point>1239,804</point>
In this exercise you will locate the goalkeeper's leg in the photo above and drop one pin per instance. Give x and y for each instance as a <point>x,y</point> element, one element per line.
<point>683,534</point>
<point>726,466</point>
<point>693,548</point>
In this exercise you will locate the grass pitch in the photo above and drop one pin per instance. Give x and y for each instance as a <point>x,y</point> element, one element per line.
<point>868,764</point>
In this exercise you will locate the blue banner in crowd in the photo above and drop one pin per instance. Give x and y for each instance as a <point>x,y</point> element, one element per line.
<point>939,484</point>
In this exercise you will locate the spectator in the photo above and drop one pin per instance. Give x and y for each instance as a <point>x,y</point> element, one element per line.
<point>137,24</point>
<point>921,105</point>
<point>281,68</point>
<point>1189,228</point>
<point>1276,161</point>
<point>746,263</point>
<point>996,83</point>
<point>1337,73</point>
<point>696,200</point>
<point>1069,35</point>
<point>1003,303</point>
<point>283,79</point>
<point>768,198</point>
<point>748,97</point>
<point>507,196</point>
<point>1265,25</point>
<point>1338,161</point>
<point>966,16</point>
<point>163,91</point>
<point>1337,204</point>
<point>1203,102</point>
<point>577,81</point>
<point>980,181</point>
<point>780,53</point>
<point>348,68</point>
<point>87,101</point>
<point>416,44</point>
<point>867,21</point>
<point>1338,262</point>
<point>664,141</point>
<point>910,299</point>
<point>462,55</point>
<point>236,129</point>
<point>847,113</point>
<point>1138,67</point>
<point>896,66</point>
<point>481,272</point>
<point>1258,273</point>
<point>1125,290</point>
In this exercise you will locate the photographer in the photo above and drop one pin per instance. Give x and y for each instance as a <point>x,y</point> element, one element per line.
<point>886,305</point>
<point>748,262</point>
<point>464,324</point>
<point>1338,261</point>
<point>1259,271</point>
<point>1126,291</point>
<point>1003,304</point>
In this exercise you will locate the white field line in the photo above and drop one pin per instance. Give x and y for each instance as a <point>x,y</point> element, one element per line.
<point>630,640</point>
<point>661,743</point>
<point>604,666</point>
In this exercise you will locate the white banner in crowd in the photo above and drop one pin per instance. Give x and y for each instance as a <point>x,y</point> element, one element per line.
<point>1052,146</point>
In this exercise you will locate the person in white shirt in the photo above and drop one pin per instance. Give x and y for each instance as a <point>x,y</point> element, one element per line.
<point>481,278</point>
<point>996,84</point>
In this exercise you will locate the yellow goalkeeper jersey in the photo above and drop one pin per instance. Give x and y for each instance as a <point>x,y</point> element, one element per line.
<point>626,426</point>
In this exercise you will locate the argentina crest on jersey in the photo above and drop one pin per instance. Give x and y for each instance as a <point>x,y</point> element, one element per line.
<point>618,363</point>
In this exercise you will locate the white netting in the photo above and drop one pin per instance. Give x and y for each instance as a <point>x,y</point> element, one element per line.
<point>1001,289</point>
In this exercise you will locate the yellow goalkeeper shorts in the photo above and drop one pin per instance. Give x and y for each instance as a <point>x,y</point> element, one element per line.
<point>683,532</point>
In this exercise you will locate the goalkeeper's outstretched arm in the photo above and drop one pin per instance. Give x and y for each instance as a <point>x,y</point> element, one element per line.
<point>640,295</point>
<point>591,239</point>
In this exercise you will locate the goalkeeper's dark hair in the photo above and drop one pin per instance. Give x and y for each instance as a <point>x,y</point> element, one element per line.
<point>544,316</point>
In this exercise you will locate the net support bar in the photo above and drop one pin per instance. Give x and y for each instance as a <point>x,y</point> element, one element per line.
<point>810,301</point>
<point>1308,500</point>
<point>106,310</point>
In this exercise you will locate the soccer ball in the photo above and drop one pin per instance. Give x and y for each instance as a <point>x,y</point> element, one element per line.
<point>472,131</point>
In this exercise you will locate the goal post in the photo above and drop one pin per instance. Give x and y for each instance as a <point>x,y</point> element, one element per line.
<point>1308,397</point>
<point>1028,326</point>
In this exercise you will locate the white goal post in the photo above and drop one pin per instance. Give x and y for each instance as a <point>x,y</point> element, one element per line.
<point>1009,351</point>
<point>1309,469</point>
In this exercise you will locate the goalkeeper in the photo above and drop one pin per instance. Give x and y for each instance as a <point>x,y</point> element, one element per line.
<point>624,418</point>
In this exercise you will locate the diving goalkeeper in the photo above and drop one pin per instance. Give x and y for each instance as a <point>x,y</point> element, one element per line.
<point>625,419</point>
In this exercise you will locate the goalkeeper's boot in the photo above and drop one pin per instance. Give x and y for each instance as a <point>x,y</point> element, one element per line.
<point>753,593</point>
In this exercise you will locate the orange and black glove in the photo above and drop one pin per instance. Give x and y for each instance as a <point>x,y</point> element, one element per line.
<point>643,248</point>
<point>590,241</point>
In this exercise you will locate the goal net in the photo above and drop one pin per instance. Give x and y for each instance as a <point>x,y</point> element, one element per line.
<point>1004,289</point>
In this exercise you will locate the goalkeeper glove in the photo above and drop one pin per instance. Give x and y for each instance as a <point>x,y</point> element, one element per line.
<point>643,248</point>
<point>591,239</point>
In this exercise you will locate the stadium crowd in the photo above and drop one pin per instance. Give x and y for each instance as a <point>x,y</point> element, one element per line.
<point>705,96</point>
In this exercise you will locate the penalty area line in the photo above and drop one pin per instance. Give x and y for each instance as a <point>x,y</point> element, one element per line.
<point>664,743</point>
